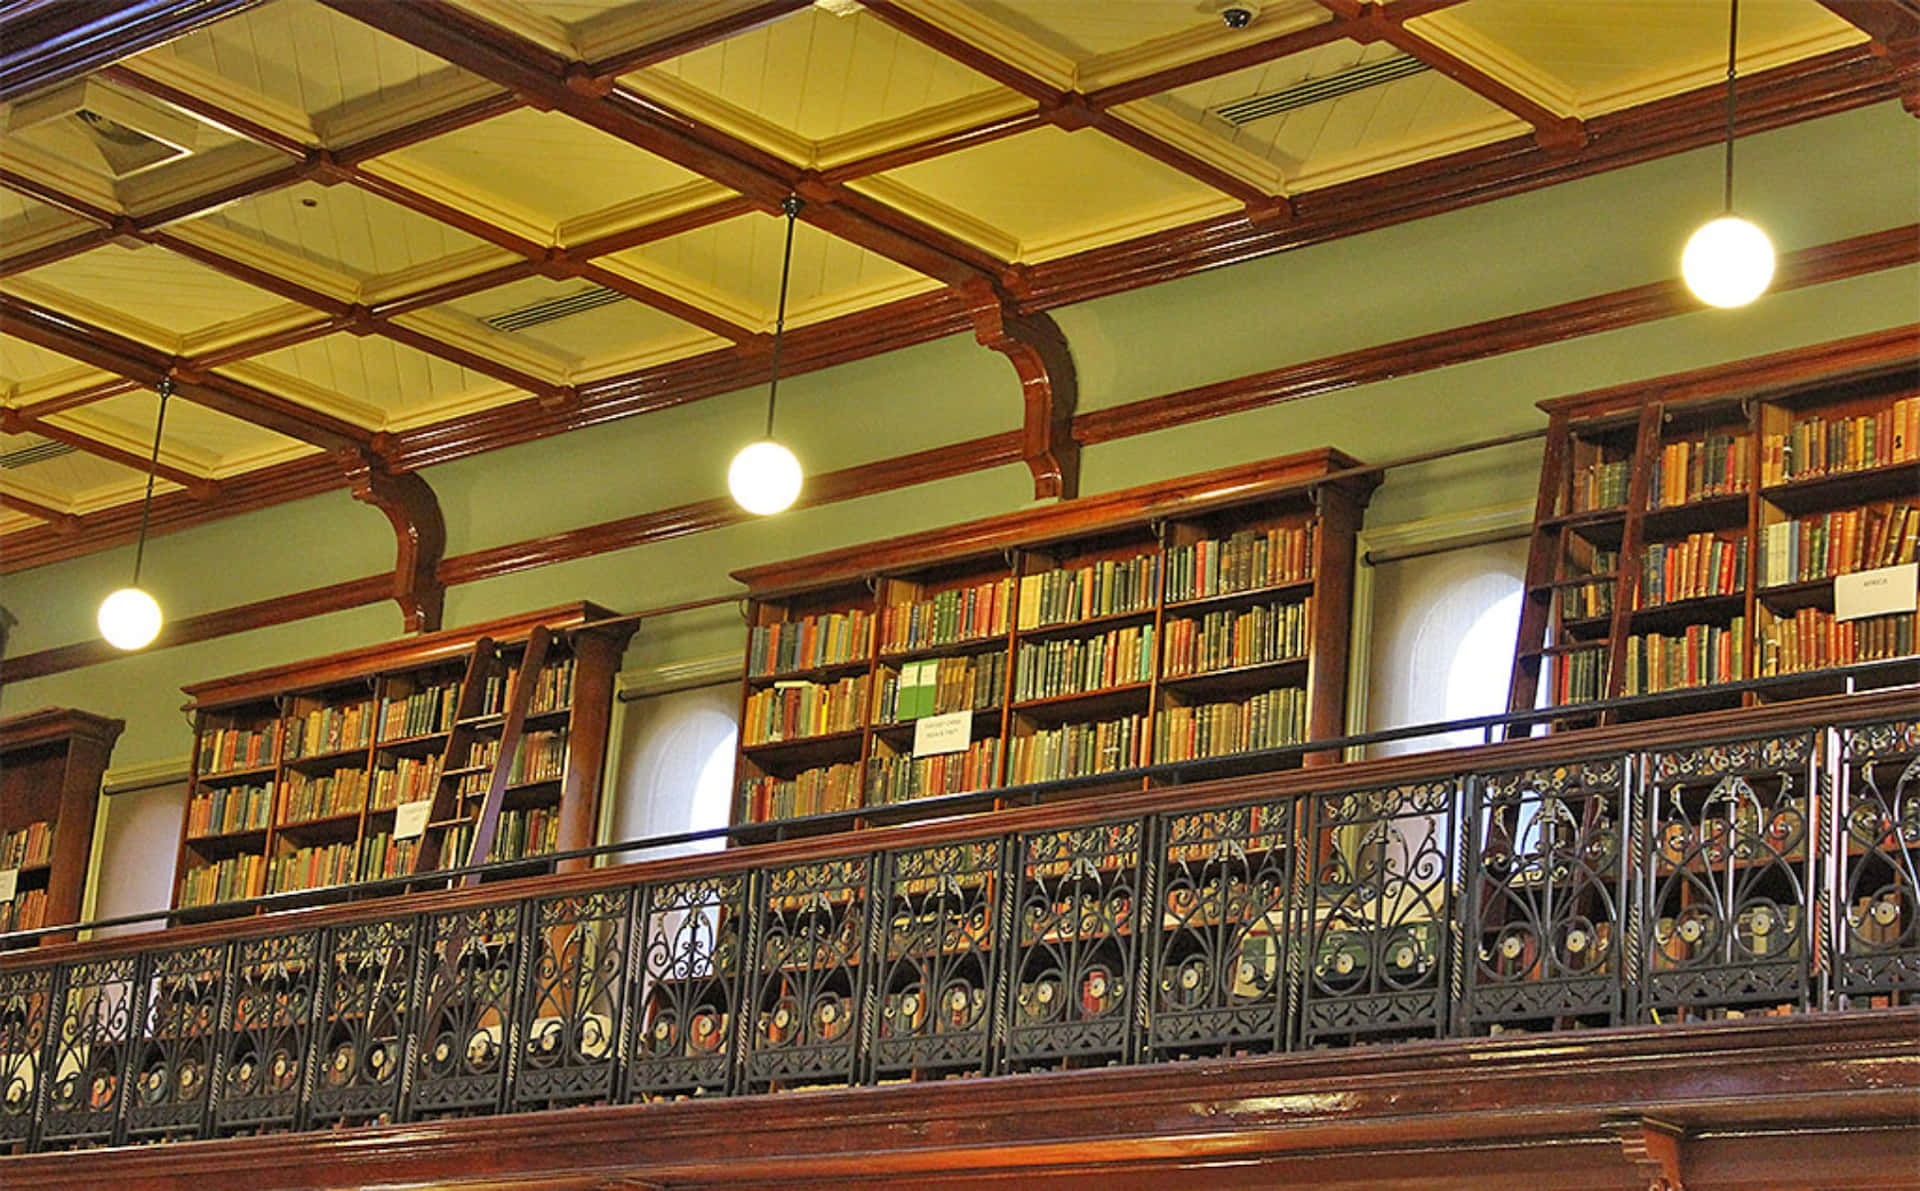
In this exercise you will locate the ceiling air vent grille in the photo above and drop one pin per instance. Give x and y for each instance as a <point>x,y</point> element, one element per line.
<point>554,309</point>
<point>39,452</point>
<point>1242,112</point>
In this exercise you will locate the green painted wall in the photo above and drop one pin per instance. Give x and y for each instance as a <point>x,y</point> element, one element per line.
<point>1602,234</point>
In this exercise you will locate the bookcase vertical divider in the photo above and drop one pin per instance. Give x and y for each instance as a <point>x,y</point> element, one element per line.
<point>1632,535</point>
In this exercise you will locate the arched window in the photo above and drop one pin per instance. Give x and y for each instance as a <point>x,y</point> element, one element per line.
<point>675,772</point>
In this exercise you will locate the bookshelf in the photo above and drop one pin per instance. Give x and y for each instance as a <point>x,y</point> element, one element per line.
<point>1683,542</point>
<point>300,772</point>
<point>51,762</point>
<point>1191,619</point>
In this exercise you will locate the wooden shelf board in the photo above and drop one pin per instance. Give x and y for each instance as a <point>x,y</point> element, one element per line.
<point>1075,627</point>
<point>964,647</point>
<point>1052,707</point>
<point>1300,587</point>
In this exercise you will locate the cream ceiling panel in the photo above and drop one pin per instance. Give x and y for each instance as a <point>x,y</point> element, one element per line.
<point>25,223</point>
<point>1632,51</point>
<point>734,268</point>
<point>64,476</point>
<point>548,166</point>
<point>301,55</point>
<point>1116,39</point>
<point>29,372</point>
<point>344,229</point>
<point>370,381</point>
<point>820,76</point>
<point>588,340</point>
<point>196,438</point>
<point>1058,192</point>
<point>153,287</point>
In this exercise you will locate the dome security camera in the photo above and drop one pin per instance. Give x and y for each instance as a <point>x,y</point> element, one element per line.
<point>1237,16</point>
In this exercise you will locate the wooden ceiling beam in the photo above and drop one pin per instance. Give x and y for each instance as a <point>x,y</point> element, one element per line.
<point>938,145</point>
<point>113,352</point>
<point>47,42</point>
<point>59,520</point>
<point>688,40</point>
<point>198,486</point>
<point>1894,26</point>
<point>718,211</point>
<point>59,250</point>
<point>74,399</point>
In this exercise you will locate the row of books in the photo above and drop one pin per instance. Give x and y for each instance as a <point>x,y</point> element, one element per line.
<point>1077,750</point>
<point>525,832</point>
<point>541,757</point>
<point>1072,665</point>
<point>1839,543</point>
<point>1812,639</point>
<point>1247,561</point>
<point>29,845</point>
<point>310,868</point>
<point>421,713</point>
<point>902,777</point>
<point>1600,485</point>
<point>813,792</point>
<point>552,688</point>
<point>225,809</point>
<point>1716,465</point>
<point>791,710</point>
<point>223,749</point>
<point>1104,588</point>
<point>825,639</point>
<point>1586,601</point>
<point>1267,720</point>
<point>1699,565</point>
<point>409,780</point>
<point>1224,639</point>
<point>27,910</point>
<point>330,729</point>
<point>1701,656</point>
<point>224,880</point>
<point>1580,676</point>
<point>948,617</point>
<point>342,792</point>
<point>938,686</point>
<point>1819,446</point>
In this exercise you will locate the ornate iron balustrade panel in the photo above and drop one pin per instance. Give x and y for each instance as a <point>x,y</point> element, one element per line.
<point>1378,932</point>
<point>571,1015</point>
<point>26,1009</point>
<point>1877,919</point>
<point>174,1060</point>
<point>266,1034</point>
<point>1729,883</point>
<point>96,1012</point>
<point>689,945</point>
<point>1222,955</point>
<point>1075,962</point>
<point>1546,931</point>
<point>941,910</point>
<point>811,964</point>
<point>468,1032</point>
<point>364,1027</point>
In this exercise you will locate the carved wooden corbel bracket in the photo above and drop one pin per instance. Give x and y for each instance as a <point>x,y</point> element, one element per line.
<point>1047,384</point>
<point>1652,1148</point>
<point>419,530</point>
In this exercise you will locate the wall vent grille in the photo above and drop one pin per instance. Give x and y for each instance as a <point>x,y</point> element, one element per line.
<point>39,452</point>
<point>1242,112</point>
<point>554,309</point>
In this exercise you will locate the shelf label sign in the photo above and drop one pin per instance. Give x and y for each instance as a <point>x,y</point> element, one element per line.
<point>936,734</point>
<point>410,819</point>
<point>1883,592</point>
<point>9,879</point>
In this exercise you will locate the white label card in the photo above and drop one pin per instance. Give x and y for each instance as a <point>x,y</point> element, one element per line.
<point>1876,593</point>
<point>936,734</point>
<point>410,819</point>
<point>9,878</point>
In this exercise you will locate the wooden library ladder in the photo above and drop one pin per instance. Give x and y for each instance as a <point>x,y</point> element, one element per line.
<point>448,813</point>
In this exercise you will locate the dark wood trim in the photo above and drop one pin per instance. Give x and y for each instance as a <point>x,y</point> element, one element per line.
<point>438,124</point>
<point>57,520</point>
<point>1821,1100</point>
<point>934,146</point>
<point>685,42</point>
<point>74,398</point>
<point>1894,248</point>
<point>198,486</point>
<point>420,535</point>
<point>132,78</point>
<point>718,211</point>
<point>1049,390</point>
<point>59,250</point>
<point>46,42</point>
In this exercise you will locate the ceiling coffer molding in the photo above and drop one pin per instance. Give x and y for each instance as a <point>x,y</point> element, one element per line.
<point>1049,389</point>
<point>420,535</point>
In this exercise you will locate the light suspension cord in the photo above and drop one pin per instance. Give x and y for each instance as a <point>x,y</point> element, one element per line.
<point>1733,40</point>
<point>791,205</point>
<point>146,506</point>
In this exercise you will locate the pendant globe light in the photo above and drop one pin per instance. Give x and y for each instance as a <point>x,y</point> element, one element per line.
<point>130,618</point>
<point>765,477</point>
<point>1729,261</point>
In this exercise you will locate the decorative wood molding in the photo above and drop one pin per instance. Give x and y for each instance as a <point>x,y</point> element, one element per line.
<point>1652,1148</point>
<point>50,41</point>
<point>58,520</point>
<point>1048,387</point>
<point>419,531</point>
<point>1894,26</point>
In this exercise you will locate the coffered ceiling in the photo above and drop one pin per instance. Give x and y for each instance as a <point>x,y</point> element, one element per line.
<point>413,229</point>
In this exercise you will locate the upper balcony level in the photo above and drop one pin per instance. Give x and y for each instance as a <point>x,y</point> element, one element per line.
<point>1684,951</point>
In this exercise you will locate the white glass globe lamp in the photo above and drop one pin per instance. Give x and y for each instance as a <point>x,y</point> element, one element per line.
<point>129,619</point>
<point>764,477</point>
<point>1728,262</point>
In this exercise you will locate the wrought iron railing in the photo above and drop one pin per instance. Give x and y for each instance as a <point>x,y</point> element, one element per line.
<point>1737,863</point>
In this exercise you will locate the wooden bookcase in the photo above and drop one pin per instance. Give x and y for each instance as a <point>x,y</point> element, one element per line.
<point>298,770</point>
<point>1683,542</point>
<point>51,762</point>
<point>1199,617</point>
